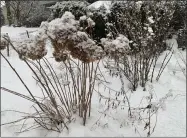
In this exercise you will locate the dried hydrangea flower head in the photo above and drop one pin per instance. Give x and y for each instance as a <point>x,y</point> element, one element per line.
<point>32,48</point>
<point>117,47</point>
<point>65,35</point>
<point>4,43</point>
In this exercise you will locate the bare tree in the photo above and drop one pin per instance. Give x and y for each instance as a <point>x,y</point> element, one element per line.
<point>9,15</point>
<point>21,10</point>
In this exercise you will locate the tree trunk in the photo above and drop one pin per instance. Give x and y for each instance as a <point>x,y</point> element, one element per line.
<point>17,14</point>
<point>18,17</point>
<point>9,16</point>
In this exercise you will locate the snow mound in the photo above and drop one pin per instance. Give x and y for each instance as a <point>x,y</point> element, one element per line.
<point>99,3</point>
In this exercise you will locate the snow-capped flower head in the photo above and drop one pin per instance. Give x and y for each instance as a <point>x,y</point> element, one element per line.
<point>68,17</point>
<point>89,14</point>
<point>84,48</point>
<point>109,35</point>
<point>31,48</point>
<point>65,35</point>
<point>109,24</point>
<point>44,25</point>
<point>4,43</point>
<point>118,46</point>
<point>138,5</point>
<point>150,30</point>
<point>90,22</point>
<point>41,34</point>
<point>86,22</point>
<point>150,19</point>
<point>78,37</point>
<point>83,18</point>
<point>61,28</point>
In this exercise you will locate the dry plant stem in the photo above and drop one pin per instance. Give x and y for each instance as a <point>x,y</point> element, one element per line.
<point>84,94</point>
<point>13,122</point>
<point>154,68</point>
<point>26,63</point>
<point>57,80</point>
<point>18,94</point>
<point>73,79</point>
<point>148,68</point>
<point>82,88</point>
<point>47,90</point>
<point>180,66</point>
<point>123,91</point>
<point>76,91</point>
<point>52,100</point>
<point>70,92</point>
<point>22,82</point>
<point>8,48</point>
<point>182,57</point>
<point>14,110</point>
<point>155,124</point>
<point>90,76</point>
<point>148,134</point>
<point>29,128</point>
<point>93,85</point>
<point>163,67</point>
<point>78,88</point>
<point>57,91</point>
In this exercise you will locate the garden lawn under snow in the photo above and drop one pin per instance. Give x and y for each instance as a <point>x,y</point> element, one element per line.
<point>170,122</point>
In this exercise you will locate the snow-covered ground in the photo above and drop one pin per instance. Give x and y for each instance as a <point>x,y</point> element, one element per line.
<point>170,122</point>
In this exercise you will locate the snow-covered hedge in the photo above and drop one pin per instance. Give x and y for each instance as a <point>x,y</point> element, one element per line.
<point>77,8</point>
<point>99,16</point>
<point>97,12</point>
<point>145,23</point>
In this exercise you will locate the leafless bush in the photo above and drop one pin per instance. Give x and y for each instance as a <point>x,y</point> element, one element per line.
<point>50,114</point>
<point>54,108</point>
<point>145,40</point>
<point>69,44</point>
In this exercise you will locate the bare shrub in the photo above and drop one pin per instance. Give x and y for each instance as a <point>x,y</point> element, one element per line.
<point>50,113</point>
<point>69,44</point>
<point>142,26</point>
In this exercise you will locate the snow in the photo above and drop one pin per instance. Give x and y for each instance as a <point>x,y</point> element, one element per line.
<point>14,31</point>
<point>150,30</point>
<point>150,19</point>
<point>82,18</point>
<point>172,44</point>
<point>171,122</point>
<point>139,4</point>
<point>90,22</point>
<point>99,3</point>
